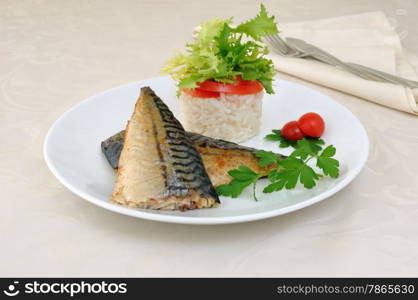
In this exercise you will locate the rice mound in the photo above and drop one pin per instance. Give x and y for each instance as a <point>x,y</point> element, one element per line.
<point>234,118</point>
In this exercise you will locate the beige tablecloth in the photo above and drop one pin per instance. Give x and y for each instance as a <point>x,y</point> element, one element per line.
<point>53,54</point>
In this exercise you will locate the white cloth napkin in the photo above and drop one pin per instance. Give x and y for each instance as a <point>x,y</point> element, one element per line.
<point>366,39</point>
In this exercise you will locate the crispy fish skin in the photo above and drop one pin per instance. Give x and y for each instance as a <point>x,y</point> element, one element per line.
<point>218,156</point>
<point>159,168</point>
<point>112,147</point>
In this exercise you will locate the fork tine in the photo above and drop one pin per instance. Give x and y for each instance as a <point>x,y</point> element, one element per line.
<point>268,39</point>
<point>279,40</point>
<point>284,44</point>
<point>277,46</point>
<point>274,43</point>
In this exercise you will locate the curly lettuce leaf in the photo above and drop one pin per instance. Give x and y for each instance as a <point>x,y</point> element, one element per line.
<point>260,26</point>
<point>220,53</point>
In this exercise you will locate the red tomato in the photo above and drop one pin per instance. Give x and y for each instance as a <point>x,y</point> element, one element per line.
<point>292,132</point>
<point>312,124</point>
<point>240,87</point>
<point>199,93</point>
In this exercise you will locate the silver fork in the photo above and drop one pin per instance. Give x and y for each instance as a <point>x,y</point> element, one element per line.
<point>300,49</point>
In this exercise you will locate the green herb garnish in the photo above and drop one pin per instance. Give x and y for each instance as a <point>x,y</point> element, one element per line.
<point>288,171</point>
<point>242,177</point>
<point>221,52</point>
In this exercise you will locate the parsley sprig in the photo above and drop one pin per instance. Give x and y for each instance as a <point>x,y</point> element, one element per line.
<point>287,172</point>
<point>242,177</point>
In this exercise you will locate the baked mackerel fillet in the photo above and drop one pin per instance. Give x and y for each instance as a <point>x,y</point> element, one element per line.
<point>159,167</point>
<point>218,156</point>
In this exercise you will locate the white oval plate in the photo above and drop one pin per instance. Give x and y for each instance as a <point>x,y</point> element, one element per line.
<point>72,151</point>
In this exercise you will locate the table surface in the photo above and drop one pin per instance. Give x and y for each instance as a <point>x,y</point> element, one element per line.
<point>54,54</point>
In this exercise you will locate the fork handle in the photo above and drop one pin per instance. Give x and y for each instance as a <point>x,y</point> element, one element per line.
<point>308,50</point>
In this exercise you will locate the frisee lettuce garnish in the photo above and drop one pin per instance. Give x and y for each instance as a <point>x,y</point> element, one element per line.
<point>220,52</point>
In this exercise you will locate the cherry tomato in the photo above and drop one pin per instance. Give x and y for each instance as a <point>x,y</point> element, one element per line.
<point>312,124</point>
<point>292,132</point>
<point>199,93</point>
<point>240,87</point>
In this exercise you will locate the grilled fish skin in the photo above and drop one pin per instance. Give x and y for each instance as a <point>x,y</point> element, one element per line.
<point>159,167</point>
<point>112,147</point>
<point>218,156</point>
